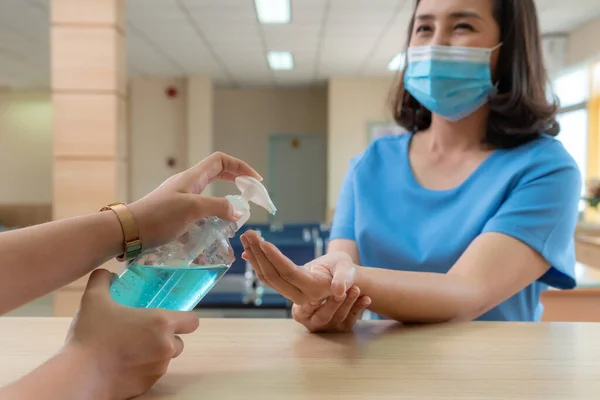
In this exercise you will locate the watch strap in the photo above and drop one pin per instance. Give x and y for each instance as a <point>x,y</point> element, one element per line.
<point>132,246</point>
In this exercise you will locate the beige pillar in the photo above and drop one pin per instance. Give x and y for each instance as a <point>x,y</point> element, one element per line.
<point>88,94</point>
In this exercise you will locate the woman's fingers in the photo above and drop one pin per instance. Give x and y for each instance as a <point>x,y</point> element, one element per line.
<point>216,166</point>
<point>218,163</point>
<point>316,316</point>
<point>278,271</point>
<point>298,277</point>
<point>177,346</point>
<point>321,320</point>
<point>343,278</point>
<point>303,313</point>
<point>355,312</point>
<point>268,273</point>
<point>249,256</point>
<point>212,206</point>
<point>181,322</point>
<point>343,311</point>
<point>225,176</point>
<point>332,315</point>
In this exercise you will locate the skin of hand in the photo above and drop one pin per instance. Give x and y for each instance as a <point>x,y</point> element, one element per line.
<point>111,352</point>
<point>492,269</point>
<point>333,314</point>
<point>168,212</point>
<point>132,347</point>
<point>68,249</point>
<point>323,291</point>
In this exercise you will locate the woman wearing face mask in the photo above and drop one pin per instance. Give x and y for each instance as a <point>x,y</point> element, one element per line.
<point>472,215</point>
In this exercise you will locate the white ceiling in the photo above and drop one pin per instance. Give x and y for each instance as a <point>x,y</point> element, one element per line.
<point>223,39</point>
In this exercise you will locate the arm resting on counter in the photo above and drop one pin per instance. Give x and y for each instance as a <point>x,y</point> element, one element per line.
<point>492,269</point>
<point>40,259</point>
<point>69,375</point>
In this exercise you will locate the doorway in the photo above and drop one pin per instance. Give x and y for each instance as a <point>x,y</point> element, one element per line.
<point>298,177</point>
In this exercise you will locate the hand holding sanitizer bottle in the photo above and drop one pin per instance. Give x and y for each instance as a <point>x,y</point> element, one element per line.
<point>177,275</point>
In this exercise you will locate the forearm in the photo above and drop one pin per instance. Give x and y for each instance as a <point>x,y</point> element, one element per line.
<point>70,375</point>
<point>420,297</point>
<point>38,260</point>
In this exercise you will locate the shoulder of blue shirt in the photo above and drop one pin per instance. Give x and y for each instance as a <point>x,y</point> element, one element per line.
<point>541,156</point>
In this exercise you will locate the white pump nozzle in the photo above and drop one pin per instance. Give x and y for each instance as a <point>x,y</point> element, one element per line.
<point>251,190</point>
<point>254,191</point>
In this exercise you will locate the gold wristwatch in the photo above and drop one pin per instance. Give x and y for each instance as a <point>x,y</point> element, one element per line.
<point>131,233</point>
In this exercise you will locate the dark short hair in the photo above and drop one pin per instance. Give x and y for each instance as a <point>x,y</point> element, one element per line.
<point>521,110</point>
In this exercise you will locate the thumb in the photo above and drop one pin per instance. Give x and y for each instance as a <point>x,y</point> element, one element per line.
<point>213,207</point>
<point>99,281</point>
<point>343,279</point>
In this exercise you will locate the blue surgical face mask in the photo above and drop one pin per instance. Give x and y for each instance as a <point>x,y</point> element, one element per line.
<point>452,82</point>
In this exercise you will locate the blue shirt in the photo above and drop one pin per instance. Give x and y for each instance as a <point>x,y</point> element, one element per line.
<point>530,193</point>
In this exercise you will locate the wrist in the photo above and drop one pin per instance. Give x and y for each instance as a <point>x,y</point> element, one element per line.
<point>113,233</point>
<point>132,241</point>
<point>93,369</point>
<point>70,374</point>
<point>361,279</point>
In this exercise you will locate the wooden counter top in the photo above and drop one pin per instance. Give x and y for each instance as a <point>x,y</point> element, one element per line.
<point>267,359</point>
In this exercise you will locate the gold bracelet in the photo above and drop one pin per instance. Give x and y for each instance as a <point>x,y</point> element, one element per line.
<point>131,233</point>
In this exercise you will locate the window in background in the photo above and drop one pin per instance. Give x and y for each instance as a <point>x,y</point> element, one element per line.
<point>574,136</point>
<point>573,91</point>
<point>573,88</point>
<point>593,165</point>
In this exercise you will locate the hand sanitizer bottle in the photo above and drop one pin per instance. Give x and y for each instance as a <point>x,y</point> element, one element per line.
<point>177,275</point>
